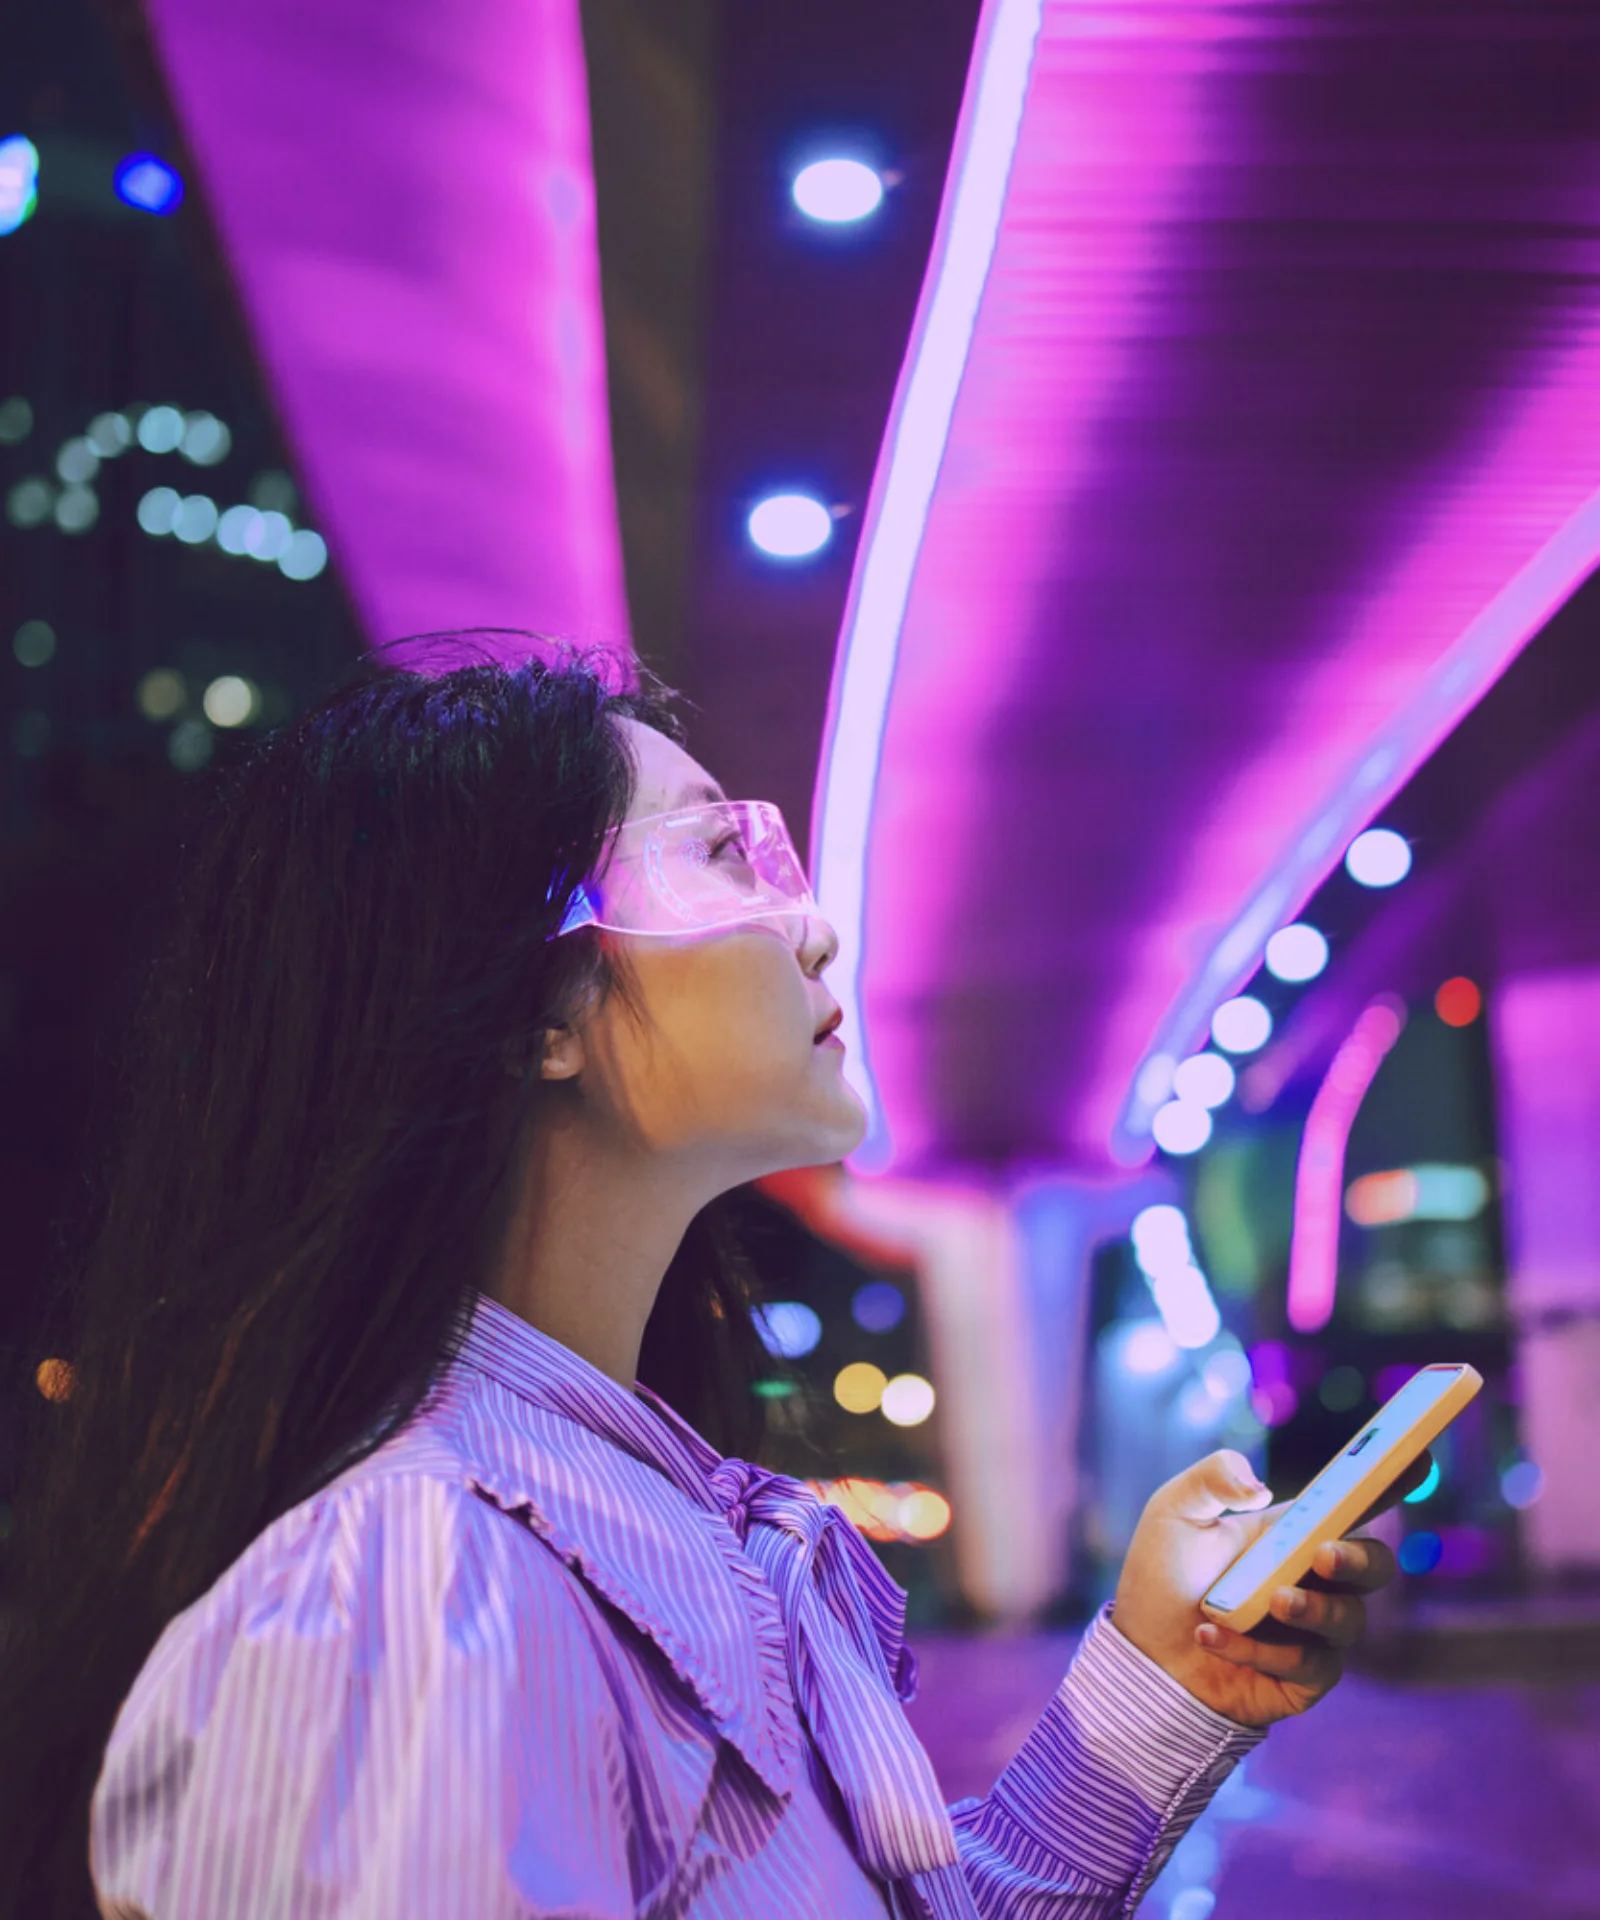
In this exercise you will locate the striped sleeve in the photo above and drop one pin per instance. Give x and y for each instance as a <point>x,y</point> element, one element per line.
<point>1118,1767</point>
<point>392,1704</point>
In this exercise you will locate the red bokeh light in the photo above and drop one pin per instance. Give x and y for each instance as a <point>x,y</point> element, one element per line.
<point>1458,1002</point>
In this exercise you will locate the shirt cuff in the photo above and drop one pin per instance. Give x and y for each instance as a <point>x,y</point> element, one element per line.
<point>1117,1769</point>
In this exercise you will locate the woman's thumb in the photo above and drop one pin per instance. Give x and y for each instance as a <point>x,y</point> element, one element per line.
<point>1223,1482</point>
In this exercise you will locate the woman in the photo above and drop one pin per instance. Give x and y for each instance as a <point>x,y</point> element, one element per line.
<point>389,1562</point>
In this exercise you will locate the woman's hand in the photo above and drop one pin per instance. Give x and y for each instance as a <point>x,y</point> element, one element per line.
<point>1191,1530</point>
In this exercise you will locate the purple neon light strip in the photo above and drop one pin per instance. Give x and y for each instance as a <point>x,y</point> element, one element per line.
<point>897,511</point>
<point>1319,1176</point>
<point>1458,681</point>
<point>407,201</point>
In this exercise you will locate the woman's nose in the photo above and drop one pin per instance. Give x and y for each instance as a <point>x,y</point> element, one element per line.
<point>818,944</point>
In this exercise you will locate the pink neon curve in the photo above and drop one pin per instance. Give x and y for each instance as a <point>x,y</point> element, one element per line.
<point>1319,1177</point>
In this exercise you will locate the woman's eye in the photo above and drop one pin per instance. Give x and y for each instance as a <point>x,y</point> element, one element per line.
<point>731,845</point>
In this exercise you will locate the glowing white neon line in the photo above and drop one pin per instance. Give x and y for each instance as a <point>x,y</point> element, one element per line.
<point>897,513</point>
<point>1459,680</point>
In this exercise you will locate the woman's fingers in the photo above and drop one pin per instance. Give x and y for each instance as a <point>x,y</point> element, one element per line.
<point>1362,1563</point>
<point>1312,1664</point>
<point>1338,1618</point>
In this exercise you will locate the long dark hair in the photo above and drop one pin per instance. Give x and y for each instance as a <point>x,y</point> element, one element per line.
<point>315,1149</point>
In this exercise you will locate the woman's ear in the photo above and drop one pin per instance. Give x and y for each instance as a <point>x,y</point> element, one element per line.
<point>562,1058</point>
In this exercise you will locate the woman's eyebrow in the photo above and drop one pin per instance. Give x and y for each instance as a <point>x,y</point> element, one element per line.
<point>702,790</point>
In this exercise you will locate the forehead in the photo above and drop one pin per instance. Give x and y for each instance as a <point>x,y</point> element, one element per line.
<point>668,775</point>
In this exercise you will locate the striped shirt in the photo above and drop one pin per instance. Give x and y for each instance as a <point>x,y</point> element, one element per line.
<point>546,1652</point>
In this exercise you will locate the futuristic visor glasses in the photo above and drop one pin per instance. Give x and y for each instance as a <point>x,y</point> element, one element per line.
<point>694,870</point>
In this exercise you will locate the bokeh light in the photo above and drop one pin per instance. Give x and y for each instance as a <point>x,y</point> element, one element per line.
<point>304,557</point>
<point>34,643</point>
<point>77,509</point>
<point>145,181</point>
<point>1147,1348</point>
<point>1180,1127</point>
<point>1297,953</point>
<point>1274,1402</point>
<point>195,520</point>
<point>878,1307</point>
<point>191,744</point>
<point>790,525</point>
<point>907,1400</point>
<point>1420,1552</point>
<point>158,509</point>
<point>1205,1080</point>
<point>1458,1002</point>
<point>19,181</point>
<point>234,528</point>
<point>836,191</point>
<point>900,1510</point>
<point>161,693</point>
<point>16,421</point>
<point>858,1388</point>
<point>1521,1485</point>
<point>206,440</point>
<point>1341,1389</point>
<point>29,502</point>
<point>924,1514</point>
<point>1380,857</point>
<point>160,429</point>
<point>788,1328</point>
<point>77,461</point>
<point>1226,1375</point>
<point>268,535</point>
<point>1427,1487</point>
<point>55,1379</point>
<point>110,434</point>
<point>1241,1025</point>
<point>231,701</point>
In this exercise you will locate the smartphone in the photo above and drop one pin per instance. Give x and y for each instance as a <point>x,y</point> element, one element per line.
<point>1347,1486</point>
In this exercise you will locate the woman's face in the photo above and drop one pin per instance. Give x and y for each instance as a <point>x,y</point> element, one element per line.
<point>717,1062</point>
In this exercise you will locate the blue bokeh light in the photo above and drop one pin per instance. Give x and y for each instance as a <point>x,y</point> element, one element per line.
<point>145,181</point>
<point>1429,1486</point>
<point>1421,1552</point>
<point>878,1307</point>
<point>788,1328</point>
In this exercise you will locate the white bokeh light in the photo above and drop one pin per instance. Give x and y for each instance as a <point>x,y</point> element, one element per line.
<point>1180,1127</point>
<point>230,701</point>
<point>791,525</point>
<point>1296,953</point>
<point>1380,857</point>
<point>1241,1025</point>
<point>1148,1348</point>
<point>1206,1080</point>
<point>907,1400</point>
<point>836,191</point>
<point>1160,1237</point>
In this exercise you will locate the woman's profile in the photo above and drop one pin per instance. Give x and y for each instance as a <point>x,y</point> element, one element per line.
<point>398,1550</point>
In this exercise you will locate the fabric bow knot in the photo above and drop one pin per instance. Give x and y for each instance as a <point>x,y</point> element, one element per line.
<point>842,1616</point>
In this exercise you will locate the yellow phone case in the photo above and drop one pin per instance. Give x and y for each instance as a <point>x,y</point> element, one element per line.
<point>1288,1567</point>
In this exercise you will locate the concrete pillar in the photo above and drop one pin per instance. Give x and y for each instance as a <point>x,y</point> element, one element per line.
<point>1546,1037</point>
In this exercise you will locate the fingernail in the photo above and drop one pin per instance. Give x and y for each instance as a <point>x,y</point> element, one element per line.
<point>1209,1637</point>
<point>1291,1600</point>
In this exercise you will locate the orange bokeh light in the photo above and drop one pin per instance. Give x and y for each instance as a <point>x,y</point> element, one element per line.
<point>55,1379</point>
<point>1458,1002</point>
